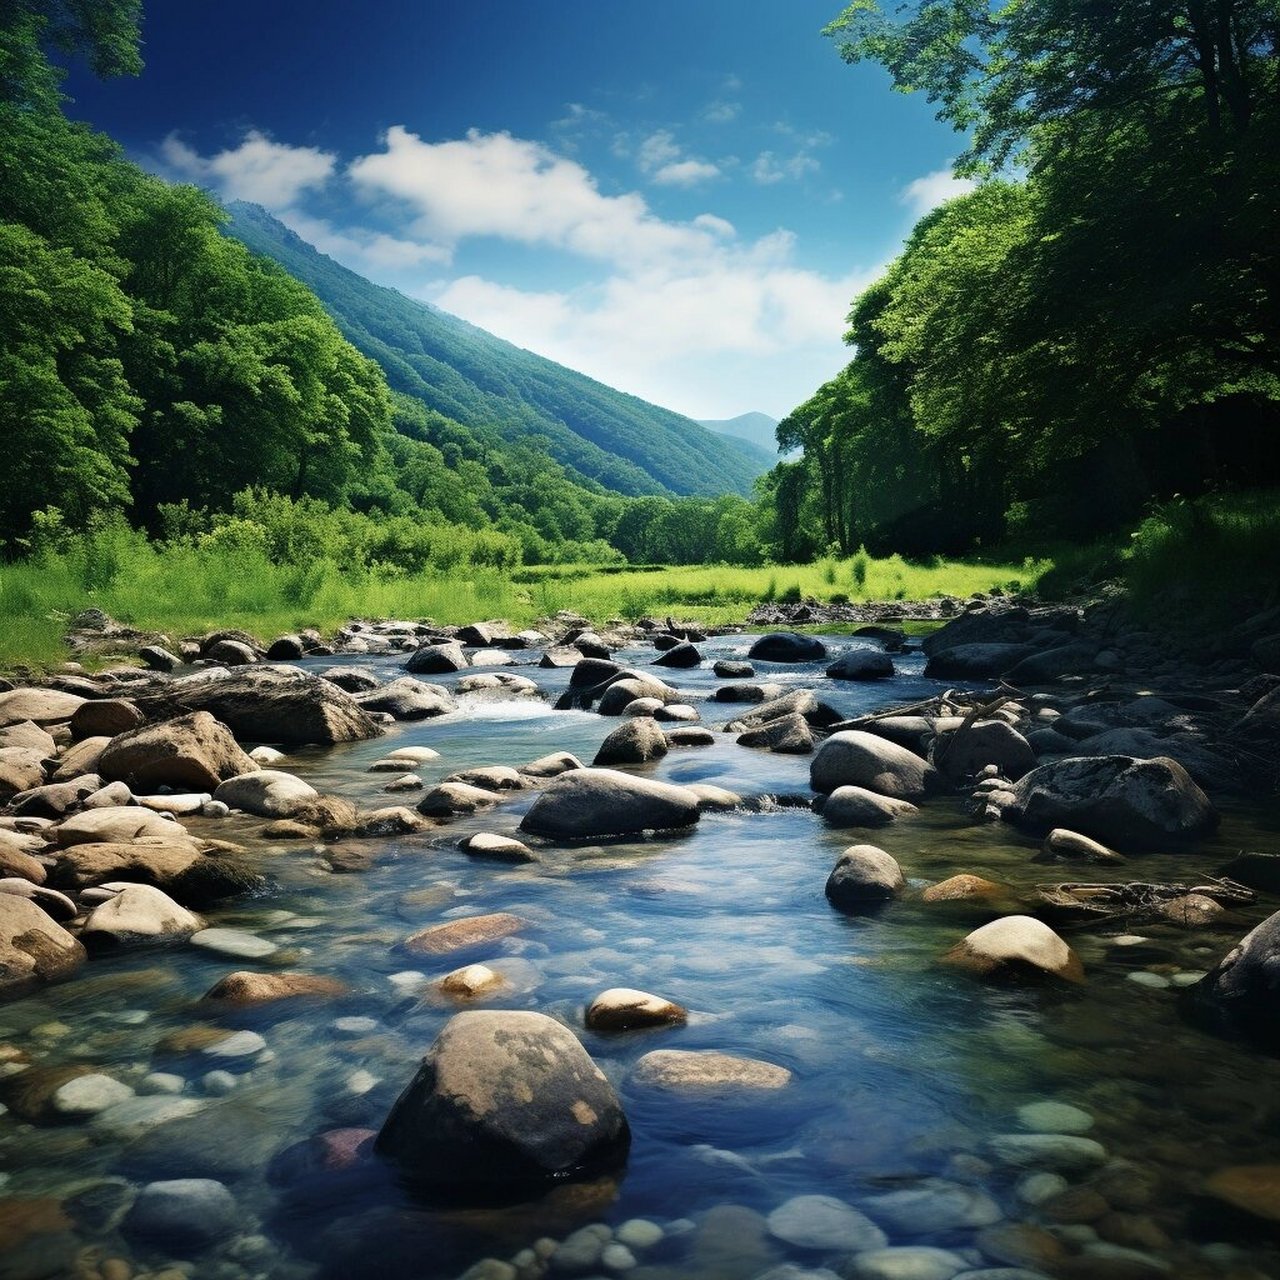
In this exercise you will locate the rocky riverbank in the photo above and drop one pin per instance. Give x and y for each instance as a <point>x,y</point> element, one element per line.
<point>138,799</point>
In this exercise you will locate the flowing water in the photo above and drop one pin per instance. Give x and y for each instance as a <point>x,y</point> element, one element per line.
<point>903,1069</point>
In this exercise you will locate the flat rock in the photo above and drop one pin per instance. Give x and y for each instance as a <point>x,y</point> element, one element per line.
<point>823,1222</point>
<point>40,706</point>
<point>246,988</point>
<point>450,799</point>
<point>1065,1153</point>
<point>589,803</point>
<point>186,875</point>
<point>237,943</point>
<point>117,825</point>
<point>934,1206</point>
<point>458,935</point>
<point>139,913</point>
<point>682,1069</point>
<point>1054,1117</point>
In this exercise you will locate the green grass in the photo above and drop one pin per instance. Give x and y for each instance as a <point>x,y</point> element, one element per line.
<point>181,590</point>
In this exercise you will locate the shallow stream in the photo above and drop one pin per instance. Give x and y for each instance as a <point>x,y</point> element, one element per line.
<point>903,1069</point>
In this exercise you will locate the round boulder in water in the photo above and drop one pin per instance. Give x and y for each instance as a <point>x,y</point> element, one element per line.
<point>502,1100</point>
<point>588,803</point>
<point>788,646</point>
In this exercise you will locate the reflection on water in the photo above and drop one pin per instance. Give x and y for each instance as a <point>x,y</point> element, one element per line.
<point>903,1071</point>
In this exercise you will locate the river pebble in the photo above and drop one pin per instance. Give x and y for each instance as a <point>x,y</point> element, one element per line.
<point>235,943</point>
<point>1050,1150</point>
<point>913,1262</point>
<point>823,1222</point>
<point>1054,1117</point>
<point>937,1206</point>
<point>88,1095</point>
<point>239,1044</point>
<point>1036,1188</point>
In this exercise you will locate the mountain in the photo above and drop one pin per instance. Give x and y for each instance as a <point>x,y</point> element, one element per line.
<point>467,374</point>
<point>755,428</point>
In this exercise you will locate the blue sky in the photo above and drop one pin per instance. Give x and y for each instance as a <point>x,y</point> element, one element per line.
<point>678,197</point>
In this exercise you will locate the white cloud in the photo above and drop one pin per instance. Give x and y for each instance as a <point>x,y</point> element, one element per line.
<point>498,185</point>
<point>932,190</point>
<point>661,157</point>
<point>685,173</point>
<point>768,167</point>
<point>266,172</point>
<point>362,248</point>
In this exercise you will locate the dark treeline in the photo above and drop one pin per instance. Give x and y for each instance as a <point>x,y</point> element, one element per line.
<point>152,365</point>
<point>1093,327</point>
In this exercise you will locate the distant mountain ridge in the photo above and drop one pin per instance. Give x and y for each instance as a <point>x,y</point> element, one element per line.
<point>597,433</point>
<point>755,428</point>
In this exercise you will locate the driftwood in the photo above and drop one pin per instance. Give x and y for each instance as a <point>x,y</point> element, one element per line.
<point>1096,903</point>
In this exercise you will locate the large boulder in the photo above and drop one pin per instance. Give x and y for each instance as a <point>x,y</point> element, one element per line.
<point>437,659</point>
<point>105,717</point>
<point>505,1100</point>
<point>964,753</point>
<point>975,661</point>
<point>636,741</point>
<point>853,757</point>
<point>21,769</point>
<point>266,793</point>
<point>408,699</point>
<point>621,692</point>
<point>787,646</point>
<point>861,664</point>
<point>192,752</point>
<point>33,949</point>
<point>188,876</point>
<point>787,735</point>
<point>588,803</point>
<point>139,913</point>
<point>682,654</point>
<point>1050,664</point>
<point>1124,802</point>
<point>266,704</point>
<point>864,876</point>
<point>40,706</point>
<point>858,807</point>
<point>1241,994</point>
<point>1016,948</point>
<point>119,824</point>
<point>801,702</point>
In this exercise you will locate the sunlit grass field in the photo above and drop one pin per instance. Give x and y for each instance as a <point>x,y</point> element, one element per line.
<point>182,591</point>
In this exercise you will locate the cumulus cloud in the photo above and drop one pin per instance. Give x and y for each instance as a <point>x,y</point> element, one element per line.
<point>260,169</point>
<point>665,162</point>
<point>493,184</point>
<point>932,190</point>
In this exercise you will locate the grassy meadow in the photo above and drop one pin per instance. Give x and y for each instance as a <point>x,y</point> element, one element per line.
<point>182,590</point>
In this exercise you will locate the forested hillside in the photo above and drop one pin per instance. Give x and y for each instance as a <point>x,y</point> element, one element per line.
<point>618,440</point>
<point>1050,355</point>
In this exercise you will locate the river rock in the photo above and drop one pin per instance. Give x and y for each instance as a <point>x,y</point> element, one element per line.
<point>934,1206</point>
<point>748,692</point>
<point>88,1095</point>
<point>968,890</point>
<point>237,943</point>
<point>79,759</point>
<point>266,704</point>
<point>823,1222</point>
<point>551,766</point>
<point>965,753</point>
<point>139,913</point>
<point>861,664</point>
<point>853,757</point>
<point>408,699</point>
<point>1061,843</point>
<point>621,693</point>
<point>788,735</point>
<point>1119,800</point>
<point>40,706</point>
<point>105,717</point>
<point>505,1099</point>
<point>906,1262</point>
<point>680,655</point>
<point>158,658</point>
<point>727,669</point>
<point>682,1069</point>
<point>1255,1188</point>
<point>858,807</point>
<point>231,653</point>
<point>266,793</point>
<point>486,844</point>
<point>54,904</point>
<point>1054,1117</point>
<point>589,803</point>
<point>21,769</point>
<point>462,934</point>
<point>17,862</point>
<point>1060,1152</point>
<point>787,646</point>
<point>491,777</point>
<point>802,702</point>
<point>56,799</point>
<point>622,1009</point>
<point>975,661</point>
<point>184,1212</point>
<point>471,981</point>
<point>863,875</point>
<point>34,950</point>
<point>1016,947</point>
<point>437,659</point>
<point>636,741</point>
<point>245,988</point>
<point>193,752</point>
<point>186,875</point>
<point>450,799</point>
<point>1242,992</point>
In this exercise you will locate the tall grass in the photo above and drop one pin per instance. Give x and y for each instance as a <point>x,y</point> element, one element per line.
<point>184,589</point>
